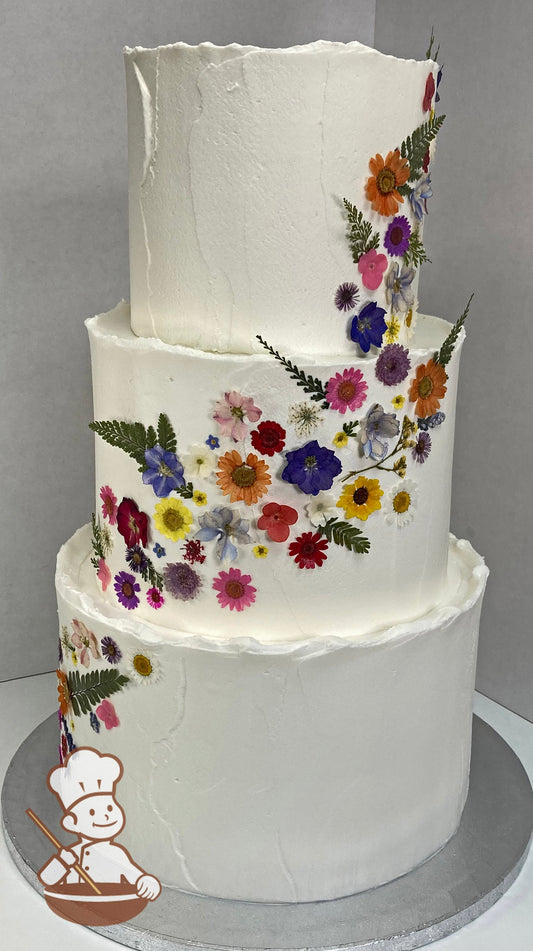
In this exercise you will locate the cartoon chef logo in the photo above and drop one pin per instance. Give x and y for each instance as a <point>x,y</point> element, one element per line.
<point>95,878</point>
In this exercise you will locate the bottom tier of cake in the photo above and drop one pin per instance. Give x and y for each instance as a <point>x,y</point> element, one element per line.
<point>275,772</point>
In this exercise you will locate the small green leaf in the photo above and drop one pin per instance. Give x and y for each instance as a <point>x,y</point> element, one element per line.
<point>166,436</point>
<point>350,428</point>
<point>361,236</point>
<point>346,535</point>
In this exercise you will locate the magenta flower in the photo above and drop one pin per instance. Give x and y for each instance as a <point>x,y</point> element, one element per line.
<point>132,524</point>
<point>126,588</point>
<point>109,504</point>
<point>397,236</point>
<point>234,590</point>
<point>346,390</point>
<point>231,412</point>
<point>155,598</point>
<point>372,267</point>
<point>346,296</point>
<point>107,714</point>
<point>103,574</point>
<point>393,364</point>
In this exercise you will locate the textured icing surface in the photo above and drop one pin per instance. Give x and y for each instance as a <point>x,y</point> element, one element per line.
<point>239,159</point>
<point>281,773</point>
<point>352,593</point>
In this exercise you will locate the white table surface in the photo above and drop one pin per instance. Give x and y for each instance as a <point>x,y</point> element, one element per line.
<point>26,922</point>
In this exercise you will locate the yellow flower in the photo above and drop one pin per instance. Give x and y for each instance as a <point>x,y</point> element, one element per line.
<point>393,329</point>
<point>260,551</point>
<point>398,401</point>
<point>173,518</point>
<point>340,440</point>
<point>200,498</point>
<point>360,498</point>
<point>74,658</point>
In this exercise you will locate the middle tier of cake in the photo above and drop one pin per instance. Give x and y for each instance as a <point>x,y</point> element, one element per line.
<point>271,496</point>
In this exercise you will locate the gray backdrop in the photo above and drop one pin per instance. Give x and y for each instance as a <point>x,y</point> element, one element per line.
<point>64,246</point>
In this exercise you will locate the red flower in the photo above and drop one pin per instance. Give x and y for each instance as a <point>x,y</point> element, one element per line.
<point>309,550</point>
<point>276,519</point>
<point>268,438</point>
<point>426,161</point>
<point>132,524</point>
<point>429,93</point>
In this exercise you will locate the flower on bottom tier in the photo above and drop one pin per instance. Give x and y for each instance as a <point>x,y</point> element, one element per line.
<point>276,521</point>
<point>244,480</point>
<point>321,507</point>
<point>172,518</point>
<point>182,581</point>
<point>309,550</point>
<point>231,412</point>
<point>312,468</point>
<point>393,364</point>
<point>346,390</point>
<point>268,438</point>
<point>155,598</point>
<point>227,526</point>
<point>376,426</point>
<point>400,503</point>
<point>107,714</point>
<point>360,498</point>
<point>234,590</point>
<point>126,588</point>
<point>428,388</point>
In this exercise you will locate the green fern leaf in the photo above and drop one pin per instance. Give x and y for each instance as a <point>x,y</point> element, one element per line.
<point>89,689</point>
<point>445,353</point>
<point>311,384</point>
<point>361,236</point>
<point>416,253</point>
<point>416,145</point>
<point>166,436</point>
<point>346,535</point>
<point>130,437</point>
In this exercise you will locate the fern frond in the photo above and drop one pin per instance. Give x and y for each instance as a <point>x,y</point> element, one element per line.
<point>445,353</point>
<point>311,384</point>
<point>88,689</point>
<point>361,236</point>
<point>415,146</point>
<point>130,437</point>
<point>346,535</point>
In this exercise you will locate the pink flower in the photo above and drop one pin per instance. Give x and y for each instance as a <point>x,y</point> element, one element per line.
<point>86,641</point>
<point>107,714</point>
<point>276,519</point>
<point>109,504</point>
<point>155,598</point>
<point>346,390</point>
<point>372,266</point>
<point>231,412</point>
<point>103,574</point>
<point>234,590</point>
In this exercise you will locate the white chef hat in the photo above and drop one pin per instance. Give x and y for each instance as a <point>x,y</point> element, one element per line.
<point>85,772</point>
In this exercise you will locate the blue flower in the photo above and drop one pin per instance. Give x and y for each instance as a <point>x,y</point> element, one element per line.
<point>212,442</point>
<point>368,326</point>
<point>376,425</point>
<point>164,472</point>
<point>429,422</point>
<point>398,291</point>
<point>419,195</point>
<point>312,468</point>
<point>94,721</point>
<point>224,524</point>
<point>158,550</point>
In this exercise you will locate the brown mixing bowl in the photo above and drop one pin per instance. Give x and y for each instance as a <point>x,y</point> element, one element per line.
<point>80,904</point>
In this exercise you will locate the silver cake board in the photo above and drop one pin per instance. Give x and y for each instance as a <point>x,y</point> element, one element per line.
<point>449,890</point>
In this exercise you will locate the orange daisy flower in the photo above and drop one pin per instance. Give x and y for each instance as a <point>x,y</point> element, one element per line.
<point>387,176</point>
<point>243,480</point>
<point>63,693</point>
<point>428,388</point>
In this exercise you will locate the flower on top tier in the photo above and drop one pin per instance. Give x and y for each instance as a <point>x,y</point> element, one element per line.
<point>422,447</point>
<point>429,92</point>
<point>231,412</point>
<point>227,526</point>
<point>244,480</point>
<point>276,521</point>
<point>164,471</point>
<point>418,197</point>
<point>368,326</point>
<point>132,524</point>
<point>346,296</point>
<point>109,504</point>
<point>346,390</point>
<point>393,364</point>
<point>312,468</point>
<point>182,581</point>
<point>127,588</point>
<point>398,292</point>
<point>234,590</point>
<point>372,267</point>
<point>268,438</point>
<point>428,388</point>
<point>309,550</point>
<point>387,176</point>
<point>397,236</point>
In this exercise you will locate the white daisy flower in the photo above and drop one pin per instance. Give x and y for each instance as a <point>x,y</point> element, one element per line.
<point>199,462</point>
<point>400,504</point>
<point>321,507</point>
<point>144,667</point>
<point>305,417</point>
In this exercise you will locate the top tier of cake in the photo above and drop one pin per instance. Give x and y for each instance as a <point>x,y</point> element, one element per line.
<point>239,161</point>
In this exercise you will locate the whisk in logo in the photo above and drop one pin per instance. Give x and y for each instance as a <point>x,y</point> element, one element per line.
<point>93,881</point>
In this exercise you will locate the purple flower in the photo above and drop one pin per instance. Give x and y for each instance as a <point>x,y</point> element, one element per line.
<point>182,581</point>
<point>94,721</point>
<point>419,195</point>
<point>224,524</point>
<point>126,588</point>
<point>429,422</point>
<point>397,236</point>
<point>164,471</point>
<point>312,468</point>
<point>368,326</point>
<point>422,447</point>
<point>136,559</point>
<point>110,650</point>
<point>376,425</point>
<point>346,296</point>
<point>393,364</point>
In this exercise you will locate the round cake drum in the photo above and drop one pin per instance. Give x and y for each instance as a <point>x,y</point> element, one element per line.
<point>455,886</point>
